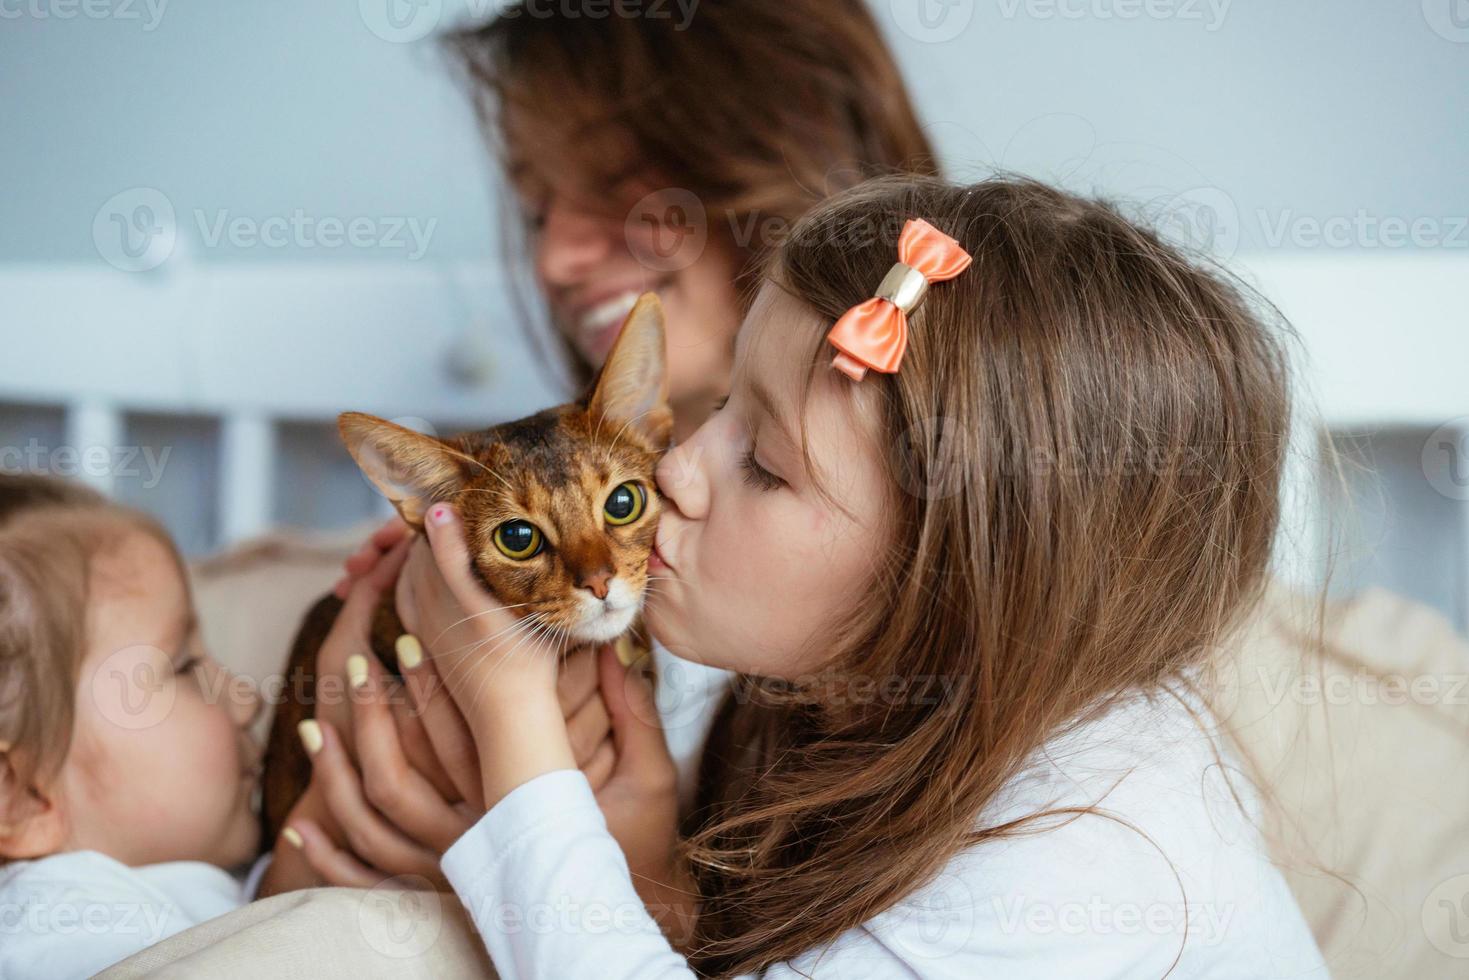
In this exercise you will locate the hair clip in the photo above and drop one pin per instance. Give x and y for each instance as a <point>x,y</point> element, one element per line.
<point>874,333</point>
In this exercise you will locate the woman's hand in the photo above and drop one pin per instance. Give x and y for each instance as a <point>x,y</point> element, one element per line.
<point>499,669</point>
<point>394,822</point>
<point>640,799</point>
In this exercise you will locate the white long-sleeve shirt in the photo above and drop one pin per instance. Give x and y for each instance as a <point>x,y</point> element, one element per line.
<point>73,914</point>
<point>1173,876</point>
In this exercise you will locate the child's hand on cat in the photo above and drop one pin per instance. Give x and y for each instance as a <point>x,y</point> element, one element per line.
<point>498,667</point>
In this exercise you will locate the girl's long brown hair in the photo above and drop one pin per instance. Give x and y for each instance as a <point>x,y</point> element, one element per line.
<point>1088,435</point>
<point>759,108</point>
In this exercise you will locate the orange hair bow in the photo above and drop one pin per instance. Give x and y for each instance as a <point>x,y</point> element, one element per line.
<point>874,333</point>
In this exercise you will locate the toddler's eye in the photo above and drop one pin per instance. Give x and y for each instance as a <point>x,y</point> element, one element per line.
<point>518,539</point>
<point>625,504</point>
<point>187,665</point>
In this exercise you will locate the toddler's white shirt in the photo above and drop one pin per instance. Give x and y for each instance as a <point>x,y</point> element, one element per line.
<point>77,913</point>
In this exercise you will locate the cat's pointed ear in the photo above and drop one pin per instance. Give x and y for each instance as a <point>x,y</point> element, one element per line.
<point>632,388</point>
<point>409,468</point>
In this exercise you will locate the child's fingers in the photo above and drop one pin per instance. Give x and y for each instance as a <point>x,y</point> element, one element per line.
<point>393,787</point>
<point>451,555</point>
<point>588,729</point>
<point>443,722</point>
<point>334,865</point>
<point>369,836</point>
<point>642,750</point>
<point>578,679</point>
<point>599,768</point>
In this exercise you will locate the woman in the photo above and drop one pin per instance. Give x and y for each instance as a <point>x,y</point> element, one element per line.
<point>616,135</point>
<point>652,153</point>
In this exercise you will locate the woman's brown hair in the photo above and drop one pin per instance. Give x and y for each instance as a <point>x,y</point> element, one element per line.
<point>1088,435</point>
<point>759,108</point>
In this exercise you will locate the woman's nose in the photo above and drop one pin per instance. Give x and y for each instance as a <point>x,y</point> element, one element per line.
<point>682,480</point>
<point>570,245</point>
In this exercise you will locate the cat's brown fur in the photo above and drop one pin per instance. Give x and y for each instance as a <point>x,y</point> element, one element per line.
<point>554,469</point>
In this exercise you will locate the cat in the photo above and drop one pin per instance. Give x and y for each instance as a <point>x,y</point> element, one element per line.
<point>559,510</point>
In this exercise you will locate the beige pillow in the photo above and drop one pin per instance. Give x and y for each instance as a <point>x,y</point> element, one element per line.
<point>1366,751</point>
<point>323,934</point>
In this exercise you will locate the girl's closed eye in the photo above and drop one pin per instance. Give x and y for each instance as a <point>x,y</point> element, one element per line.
<point>758,476</point>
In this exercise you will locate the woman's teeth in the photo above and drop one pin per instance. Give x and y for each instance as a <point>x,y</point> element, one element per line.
<point>608,313</point>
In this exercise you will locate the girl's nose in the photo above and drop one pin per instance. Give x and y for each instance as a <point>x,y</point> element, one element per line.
<point>682,480</point>
<point>570,245</point>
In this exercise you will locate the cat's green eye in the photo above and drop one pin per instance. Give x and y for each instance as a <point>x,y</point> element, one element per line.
<point>625,504</point>
<point>518,539</point>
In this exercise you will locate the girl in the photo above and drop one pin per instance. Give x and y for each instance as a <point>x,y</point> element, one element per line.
<point>969,599</point>
<point>127,770</point>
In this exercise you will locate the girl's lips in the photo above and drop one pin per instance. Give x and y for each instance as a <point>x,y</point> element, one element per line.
<point>656,562</point>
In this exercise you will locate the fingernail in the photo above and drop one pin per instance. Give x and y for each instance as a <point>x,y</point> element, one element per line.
<point>357,671</point>
<point>310,733</point>
<point>292,837</point>
<point>628,652</point>
<point>439,515</point>
<point>409,650</point>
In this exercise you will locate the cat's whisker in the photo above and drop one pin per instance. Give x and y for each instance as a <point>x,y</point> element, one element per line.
<point>463,653</point>
<point>487,612</point>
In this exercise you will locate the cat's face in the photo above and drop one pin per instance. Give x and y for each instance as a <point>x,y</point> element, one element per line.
<point>559,508</point>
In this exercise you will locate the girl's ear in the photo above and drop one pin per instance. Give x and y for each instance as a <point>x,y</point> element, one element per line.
<point>409,468</point>
<point>632,388</point>
<point>32,824</point>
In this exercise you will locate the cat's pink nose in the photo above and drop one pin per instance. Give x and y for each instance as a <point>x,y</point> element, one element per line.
<point>597,582</point>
